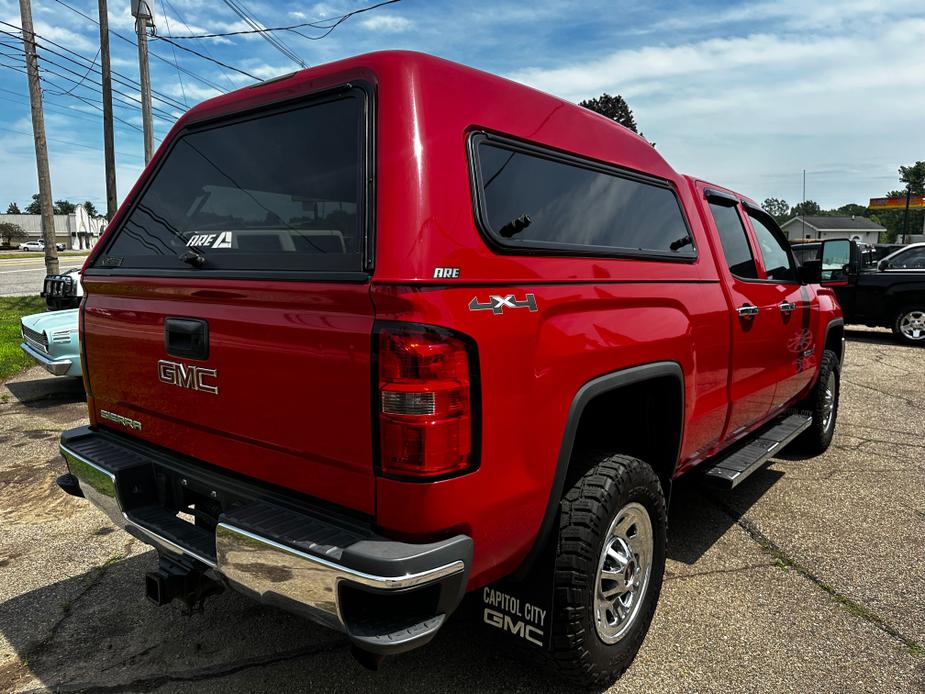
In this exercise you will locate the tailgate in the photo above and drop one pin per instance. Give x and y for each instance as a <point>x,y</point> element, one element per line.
<point>283,395</point>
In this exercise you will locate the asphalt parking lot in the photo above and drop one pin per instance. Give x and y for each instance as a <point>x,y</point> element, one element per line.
<point>809,577</point>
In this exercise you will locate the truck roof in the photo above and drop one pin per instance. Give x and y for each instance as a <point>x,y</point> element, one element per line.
<point>411,68</point>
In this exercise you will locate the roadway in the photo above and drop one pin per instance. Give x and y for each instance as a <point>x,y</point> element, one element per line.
<point>24,276</point>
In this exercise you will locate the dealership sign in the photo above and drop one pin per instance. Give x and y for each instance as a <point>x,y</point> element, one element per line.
<point>896,203</point>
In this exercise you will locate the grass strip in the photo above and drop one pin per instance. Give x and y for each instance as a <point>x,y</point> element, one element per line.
<point>12,308</point>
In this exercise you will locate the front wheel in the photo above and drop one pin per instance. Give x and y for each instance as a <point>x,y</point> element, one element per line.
<point>822,404</point>
<point>610,560</point>
<point>909,325</point>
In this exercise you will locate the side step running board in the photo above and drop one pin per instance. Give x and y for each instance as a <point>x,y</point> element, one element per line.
<point>728,471</point>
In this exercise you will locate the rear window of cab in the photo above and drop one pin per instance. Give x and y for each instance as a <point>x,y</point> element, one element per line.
<point>530,199</point>
<point>279,190</point>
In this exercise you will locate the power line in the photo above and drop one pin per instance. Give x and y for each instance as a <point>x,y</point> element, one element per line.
<point>131,42</point>
<point>317,24</point>
<point>14,67</point>
<point>98,107</point>
<point>53,139</point>
<point>121,103</point>
<point>123,79</point>
<point>164,115</point>
<point>70,111</point>
<point>267,36</point>
<point>89,70</point>
<point>204,57</point>
<point>184,23</point>
<point>175,63</point>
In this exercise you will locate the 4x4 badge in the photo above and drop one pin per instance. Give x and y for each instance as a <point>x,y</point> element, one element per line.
<point>496,304</point>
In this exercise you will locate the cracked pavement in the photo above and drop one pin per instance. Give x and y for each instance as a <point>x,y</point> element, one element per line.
<point>808,577</point>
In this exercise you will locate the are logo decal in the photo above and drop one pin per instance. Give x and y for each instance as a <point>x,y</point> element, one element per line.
<point>446,273</point>
<point>496,304</point>
<point>222,240</point>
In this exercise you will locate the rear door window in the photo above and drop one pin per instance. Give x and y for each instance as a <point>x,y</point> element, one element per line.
<point>734,239</point>
<point>275,191</point>
<point>534,199</point>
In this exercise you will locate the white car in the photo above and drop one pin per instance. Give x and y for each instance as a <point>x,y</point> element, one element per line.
<point>911,257</point>
<point>38,246</point>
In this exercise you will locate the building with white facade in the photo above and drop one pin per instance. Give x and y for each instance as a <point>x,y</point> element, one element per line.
<point>76,230</point>
<point>820,228</point>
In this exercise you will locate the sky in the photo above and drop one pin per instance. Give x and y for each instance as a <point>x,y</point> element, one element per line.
<point>745,94</point>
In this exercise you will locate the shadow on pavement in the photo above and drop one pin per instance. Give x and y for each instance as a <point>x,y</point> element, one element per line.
<point>97,632</point>
<point>696,522</point>
<point>873,337</point>
<point>48,392</point>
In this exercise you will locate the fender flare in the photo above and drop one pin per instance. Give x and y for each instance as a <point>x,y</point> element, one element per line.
<point>835,323</point>
<point>590,390</point>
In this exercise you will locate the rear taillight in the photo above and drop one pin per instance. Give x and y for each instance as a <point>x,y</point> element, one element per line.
<point>426,401</point>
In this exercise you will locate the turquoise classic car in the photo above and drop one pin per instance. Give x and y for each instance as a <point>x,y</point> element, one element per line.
<point>51,339</point>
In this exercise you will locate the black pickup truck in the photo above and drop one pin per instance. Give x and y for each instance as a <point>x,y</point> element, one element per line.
<point>890,294</point>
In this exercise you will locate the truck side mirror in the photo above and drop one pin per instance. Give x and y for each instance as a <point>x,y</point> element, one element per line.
<point>810,272</point>
<point>883,265</point>
<point>839,259</point>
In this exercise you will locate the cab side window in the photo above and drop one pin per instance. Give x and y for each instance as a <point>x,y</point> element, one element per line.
<point>732,235</point>
<point>777,262</point>
<point>910,260</point>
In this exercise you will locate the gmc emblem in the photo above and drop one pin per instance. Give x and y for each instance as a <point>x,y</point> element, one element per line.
<point>187,376</point>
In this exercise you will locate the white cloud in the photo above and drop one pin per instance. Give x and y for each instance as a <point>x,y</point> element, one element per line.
<point>754,111</point>
<point>193,91</point>
<point>386,22</point>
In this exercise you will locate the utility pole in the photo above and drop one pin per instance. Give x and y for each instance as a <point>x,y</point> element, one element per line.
<point>141,11</point>
<point>803,210</point>
<point>41,146</point>
<point>906,214</point>
<point>108,144</point>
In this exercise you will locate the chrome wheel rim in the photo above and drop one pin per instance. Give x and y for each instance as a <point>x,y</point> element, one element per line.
<point>912,325</point>
<point>828,401</point>
<point>623,572</point>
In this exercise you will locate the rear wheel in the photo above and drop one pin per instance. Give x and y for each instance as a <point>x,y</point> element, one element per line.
<point>909,325</point>
<point>610,560</point>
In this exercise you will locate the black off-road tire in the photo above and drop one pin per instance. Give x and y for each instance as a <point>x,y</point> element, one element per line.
<point>588,509</point>
<point>816,439</point>
<point>901,315</point>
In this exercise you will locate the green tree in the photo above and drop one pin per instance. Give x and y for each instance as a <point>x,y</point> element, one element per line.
<point>34,207</point>
<point>13,209</point>
<point>11,233</point>
<point>614,107</point>
<point>776,207</point>
<point>852,209</point>
<point>914,177</point>
<point>64,207</point>
<point>806,209</point>
<point>91,209</point>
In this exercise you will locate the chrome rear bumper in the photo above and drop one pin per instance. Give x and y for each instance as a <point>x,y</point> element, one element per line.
<point>349,587</point>
<point>57,367</point>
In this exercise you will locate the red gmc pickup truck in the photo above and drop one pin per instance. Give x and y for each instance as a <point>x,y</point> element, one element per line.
<point>374,335</point>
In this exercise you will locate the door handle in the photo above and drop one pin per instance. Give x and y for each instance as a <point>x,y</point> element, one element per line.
<point>186,337</point>
<point>747,311</point>
<point>787,307</point>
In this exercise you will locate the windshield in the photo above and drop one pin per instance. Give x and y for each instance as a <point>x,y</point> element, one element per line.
<point>277,191</point>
